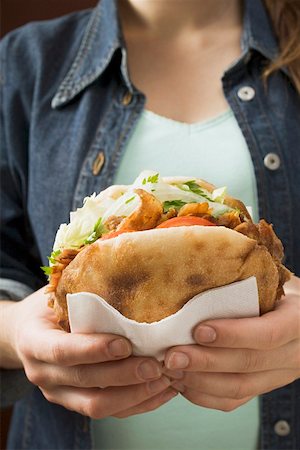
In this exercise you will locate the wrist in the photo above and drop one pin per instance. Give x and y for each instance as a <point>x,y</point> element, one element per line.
<point>9,311</point>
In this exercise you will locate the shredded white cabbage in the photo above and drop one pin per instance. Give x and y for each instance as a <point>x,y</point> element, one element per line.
<point>123,201</point>
<point>82,222</point>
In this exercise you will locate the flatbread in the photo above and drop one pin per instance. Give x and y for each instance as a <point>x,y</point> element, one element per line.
<point>149,275</point>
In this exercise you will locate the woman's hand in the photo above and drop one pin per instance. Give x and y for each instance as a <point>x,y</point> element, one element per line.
<point>92,374</point>
<point>238,359</point>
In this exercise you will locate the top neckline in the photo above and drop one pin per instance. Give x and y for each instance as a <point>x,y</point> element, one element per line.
<point>211,122</point>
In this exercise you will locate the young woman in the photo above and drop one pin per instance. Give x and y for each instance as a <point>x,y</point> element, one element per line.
<point>206,89</point>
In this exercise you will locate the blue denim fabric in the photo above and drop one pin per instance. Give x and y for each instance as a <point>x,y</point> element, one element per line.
<point>63,85</point>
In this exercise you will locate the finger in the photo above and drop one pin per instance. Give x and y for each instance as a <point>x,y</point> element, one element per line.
<point>118,373</point>
<point>173,374</point>
<point>149,405</point>
<point>236,385</point>
<point>269,331</point>
<point>195,358</point>
<point>292,286</point>
<point>212,402</point>
<point>69,349</point>
<point>99,403</point>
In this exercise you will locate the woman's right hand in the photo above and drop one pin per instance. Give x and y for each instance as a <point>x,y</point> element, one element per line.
<point>92,374</point>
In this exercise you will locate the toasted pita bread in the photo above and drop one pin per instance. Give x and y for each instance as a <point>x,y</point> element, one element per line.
<point>149,275</point>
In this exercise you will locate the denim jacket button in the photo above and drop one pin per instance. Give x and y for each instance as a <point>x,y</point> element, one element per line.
<point>282,428</point>
<point>126,100</point>
<point>272,161</point>
<point>246,93</point>
<point>98,163</point>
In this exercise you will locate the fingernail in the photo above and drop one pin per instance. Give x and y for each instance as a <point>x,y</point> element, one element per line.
<point>169,394</point>
<point>119,347</point>
<point>177,360</point>
<point>159,385</point>
<point>178,386</point>
<point>205,334</point>
<point>148,370</point>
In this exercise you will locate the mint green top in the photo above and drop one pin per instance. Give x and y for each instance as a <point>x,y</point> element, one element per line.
<point>216,151</point>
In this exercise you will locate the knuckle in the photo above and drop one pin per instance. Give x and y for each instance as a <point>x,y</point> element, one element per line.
<point>58,354</point>
<point>207,362</point>
<point>251,361</point>
<point>48,395</point>
<point>23,348</point>
<point>272,338</point>
<point>232,339</point>
<point>93,408</point>
<point>34,376</point>
<point>95,346</point>
<point>228,406</point>
<point>80,376</point>
<point>239,390</point>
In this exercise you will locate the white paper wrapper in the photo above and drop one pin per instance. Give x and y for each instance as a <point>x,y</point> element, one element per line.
<point>89,313</point>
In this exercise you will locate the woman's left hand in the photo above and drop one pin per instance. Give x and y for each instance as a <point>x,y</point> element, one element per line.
<point>238,359</point>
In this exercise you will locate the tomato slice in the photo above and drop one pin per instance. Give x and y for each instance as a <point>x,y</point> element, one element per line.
<point>174,222</point>
<point>185,221</point>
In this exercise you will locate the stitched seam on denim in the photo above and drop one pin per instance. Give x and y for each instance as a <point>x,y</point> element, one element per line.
<point>94,146</point>
<point>118,146</point>
<point>84,46</point>
<point>260,180</point>
<point>92,75</point>
<point>252,144</point>
<point>287,194</point>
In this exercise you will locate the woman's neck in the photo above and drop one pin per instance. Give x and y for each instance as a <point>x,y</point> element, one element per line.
<point>178,51</point>
<point>169,17</point>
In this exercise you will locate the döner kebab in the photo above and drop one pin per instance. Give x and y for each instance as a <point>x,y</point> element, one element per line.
<point>149,247</point>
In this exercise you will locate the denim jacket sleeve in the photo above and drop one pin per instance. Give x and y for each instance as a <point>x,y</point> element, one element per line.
<point>19,254</point>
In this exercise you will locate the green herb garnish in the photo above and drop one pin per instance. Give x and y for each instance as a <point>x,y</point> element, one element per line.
<point>130,200</point>
<point>52,258</point>
<point>194,187</point>
<point>151,179</point>
<point>98,230</point>
<point>176,204</point>
<point>47,270</point>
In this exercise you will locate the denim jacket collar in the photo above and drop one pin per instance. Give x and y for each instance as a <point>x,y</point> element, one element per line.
<point>103,37</point>
<point>258,33</point>
<point>100,41</point>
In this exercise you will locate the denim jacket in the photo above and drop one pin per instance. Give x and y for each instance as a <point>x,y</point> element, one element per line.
<point>68,108</point>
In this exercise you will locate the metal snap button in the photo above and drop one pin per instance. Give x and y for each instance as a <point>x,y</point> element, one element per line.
<point>98,163</point>
<point>282,428</point>
<point>246,93</point>
<point>127,98</point>
<point>272,161</point>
